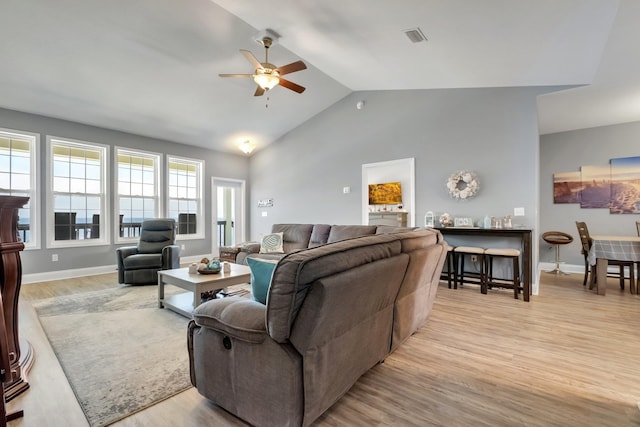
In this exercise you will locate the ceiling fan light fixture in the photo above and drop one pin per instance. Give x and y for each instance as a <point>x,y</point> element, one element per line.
<point>266,81</point>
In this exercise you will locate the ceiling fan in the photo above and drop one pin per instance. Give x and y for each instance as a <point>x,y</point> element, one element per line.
<point>267,75</point>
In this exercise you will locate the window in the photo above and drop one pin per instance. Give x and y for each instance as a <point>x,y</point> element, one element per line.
<point>78,193</point>
<point>18,177</point>
<point>137,177</point>
<point>185,195</point>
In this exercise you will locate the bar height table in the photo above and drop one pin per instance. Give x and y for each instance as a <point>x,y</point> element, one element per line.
<point>524,234</point>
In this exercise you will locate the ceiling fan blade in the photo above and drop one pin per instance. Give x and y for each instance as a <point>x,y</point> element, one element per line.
<point>291,68</point>
<point>259,91</point>
<point>291,85</point>
<point>252,59</point>
<point>235,75</point>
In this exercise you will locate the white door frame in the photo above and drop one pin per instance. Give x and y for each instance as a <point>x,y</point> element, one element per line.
<point>241,213</point>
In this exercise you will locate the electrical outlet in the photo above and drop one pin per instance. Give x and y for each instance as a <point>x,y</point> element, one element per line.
<point>346,190</point>
<point>182,247</point>
<point>54,257</point>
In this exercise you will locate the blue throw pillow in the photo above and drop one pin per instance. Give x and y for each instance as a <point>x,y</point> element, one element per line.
<point>261,273</point>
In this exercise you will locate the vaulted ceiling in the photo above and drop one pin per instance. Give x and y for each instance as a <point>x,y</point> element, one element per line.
<point>151,67</point>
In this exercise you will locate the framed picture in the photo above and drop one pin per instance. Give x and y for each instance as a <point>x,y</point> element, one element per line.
<point>463,222</point>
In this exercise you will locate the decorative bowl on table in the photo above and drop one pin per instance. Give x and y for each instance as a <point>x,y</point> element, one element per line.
<point>209,271</point>
<point>212,267</point>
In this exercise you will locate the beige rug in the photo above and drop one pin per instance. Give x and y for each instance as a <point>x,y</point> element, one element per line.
<point>119,351</point>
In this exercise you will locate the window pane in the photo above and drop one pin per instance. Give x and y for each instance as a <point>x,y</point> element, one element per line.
<point>5,180</point>
<point>20,164</point>
<point>136,189</point>
<point>77,182</point>
<point>137,172</point>
<point>20,182</point>
<point>184,183</point>
<point>93,171</point>
<point>77,185</point>
<point>77,170</point>
<point>5,162</point>
<point>61,185</point>
<point>94,186</point>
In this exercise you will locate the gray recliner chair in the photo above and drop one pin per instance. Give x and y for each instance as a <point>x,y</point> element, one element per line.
<point>156,250</point>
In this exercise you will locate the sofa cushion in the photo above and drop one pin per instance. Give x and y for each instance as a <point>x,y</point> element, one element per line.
<point>237,317</point>
<point>297,272</point>
<point>344,232</point>
<point>138,261</point>
<point>271,243</point>
<point>320,235</point>
<point>155,234</point>
<point>261,274</point>
<point>294,236</point>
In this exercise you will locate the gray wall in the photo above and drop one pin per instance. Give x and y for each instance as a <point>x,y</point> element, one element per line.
<point>490,131</point>
<point>567,151</point>
<point>216,164</point>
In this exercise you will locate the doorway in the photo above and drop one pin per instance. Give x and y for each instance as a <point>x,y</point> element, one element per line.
<point>228,208</point>
<point>401,170</point>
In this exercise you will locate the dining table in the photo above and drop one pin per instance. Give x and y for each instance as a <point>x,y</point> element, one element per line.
<point>607,248</point>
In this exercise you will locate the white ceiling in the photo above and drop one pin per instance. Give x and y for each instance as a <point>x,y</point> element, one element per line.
<point>151,67</point>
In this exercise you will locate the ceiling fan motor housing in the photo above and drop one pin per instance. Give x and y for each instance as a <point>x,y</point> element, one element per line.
<point>267,38</point>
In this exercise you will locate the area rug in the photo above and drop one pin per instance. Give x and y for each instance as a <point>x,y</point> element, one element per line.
<point>119,351</point>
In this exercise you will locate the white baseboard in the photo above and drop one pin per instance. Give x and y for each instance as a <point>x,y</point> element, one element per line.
<point>90,271</point>
<point>567,268</point>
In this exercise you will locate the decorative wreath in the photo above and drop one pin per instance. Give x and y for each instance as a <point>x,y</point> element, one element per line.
<point>463,185</point>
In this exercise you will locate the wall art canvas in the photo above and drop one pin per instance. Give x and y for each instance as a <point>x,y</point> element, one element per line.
<point>596,186</point>
<point>625,186</point>
<point>567,187</point>
<point>388,193</point>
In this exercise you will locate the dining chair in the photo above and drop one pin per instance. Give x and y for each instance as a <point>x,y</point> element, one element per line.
<point>638,227</point>
<point>585,239</point>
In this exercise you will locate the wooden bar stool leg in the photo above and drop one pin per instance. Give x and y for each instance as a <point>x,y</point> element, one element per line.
<point>461,270</point>
<point>516,277</point>
<point>486,261</point>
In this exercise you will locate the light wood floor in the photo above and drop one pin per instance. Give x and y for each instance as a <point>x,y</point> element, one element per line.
<point>567,358</point>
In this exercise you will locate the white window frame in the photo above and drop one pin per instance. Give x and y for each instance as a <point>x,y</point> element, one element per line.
<point>159,207</point>
<point>199,164</point>
<point>34,192</point>
<point>105,217</point>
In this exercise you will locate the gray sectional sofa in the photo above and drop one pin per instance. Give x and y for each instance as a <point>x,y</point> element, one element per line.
<point>304,236</point>
<point>333,311</point>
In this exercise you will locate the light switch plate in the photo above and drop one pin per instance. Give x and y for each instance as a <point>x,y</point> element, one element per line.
<point>518,211</point>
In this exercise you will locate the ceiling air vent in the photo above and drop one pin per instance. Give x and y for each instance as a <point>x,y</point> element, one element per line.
<point>415,35</point>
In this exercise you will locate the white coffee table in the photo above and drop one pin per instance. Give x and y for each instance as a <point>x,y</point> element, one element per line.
<point>196,284</point>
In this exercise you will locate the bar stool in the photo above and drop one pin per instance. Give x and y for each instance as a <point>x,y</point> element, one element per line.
<point>557,238</point>
<point>490,281</point>
<point>450,274</point>
<point>459,255</point>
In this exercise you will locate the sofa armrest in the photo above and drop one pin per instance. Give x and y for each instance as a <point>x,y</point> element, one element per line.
<point>238,317</point>
<point>171,257</point>
<point>126,251</point>
<point>121,254</point>
<point>250,247</point>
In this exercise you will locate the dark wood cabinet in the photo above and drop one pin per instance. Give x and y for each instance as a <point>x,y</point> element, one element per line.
<point>10,281</point>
